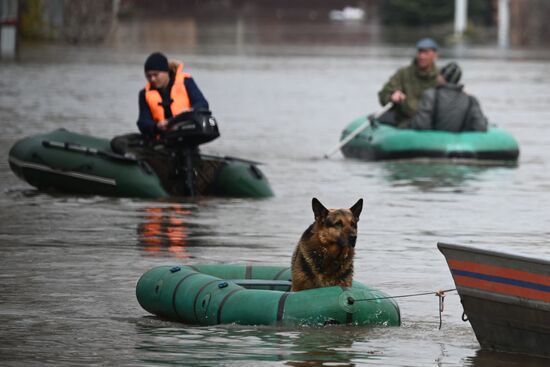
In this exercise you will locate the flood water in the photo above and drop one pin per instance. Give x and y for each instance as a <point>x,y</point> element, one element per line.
<point>69,264</point>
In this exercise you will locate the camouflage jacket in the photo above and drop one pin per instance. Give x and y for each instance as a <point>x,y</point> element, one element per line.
<point>411,81</point>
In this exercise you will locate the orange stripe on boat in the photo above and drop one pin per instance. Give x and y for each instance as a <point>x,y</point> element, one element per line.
<point>500,271</point>
<point>506,289</point>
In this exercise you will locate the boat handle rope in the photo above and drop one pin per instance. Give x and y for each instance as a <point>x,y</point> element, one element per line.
<point>72,147</point>
<point>440,294</point>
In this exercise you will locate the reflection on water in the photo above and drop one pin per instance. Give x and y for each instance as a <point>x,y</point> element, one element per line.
<point>164,229</point>
<point>335,346</point>
<point>314,348</point>
<point>430,175</point>
<point>236,32</point>
<point>233,345</point>
<point>491,359</point>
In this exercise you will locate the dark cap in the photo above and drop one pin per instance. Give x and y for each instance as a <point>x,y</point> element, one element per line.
<point>156,61</point>
<point>427,43</point>
<point>451,72</point>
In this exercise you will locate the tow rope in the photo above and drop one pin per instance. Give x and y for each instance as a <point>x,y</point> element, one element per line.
<point>440,293</point>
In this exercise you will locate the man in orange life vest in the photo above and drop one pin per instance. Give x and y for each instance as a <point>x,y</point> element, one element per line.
<point>169,92</point>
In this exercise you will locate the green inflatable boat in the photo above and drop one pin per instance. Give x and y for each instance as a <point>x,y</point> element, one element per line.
<point>257,295</point>
<point>73,163</point>
<point>383,142</point>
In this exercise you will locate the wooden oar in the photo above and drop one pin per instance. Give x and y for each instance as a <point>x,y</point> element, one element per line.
<point>357,131</point>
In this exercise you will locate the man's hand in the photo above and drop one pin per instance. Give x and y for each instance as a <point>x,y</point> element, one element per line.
<point>398,96</point>
<point>162,125</point>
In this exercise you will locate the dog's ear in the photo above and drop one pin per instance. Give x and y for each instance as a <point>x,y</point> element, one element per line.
<point>356,209</point>
<point>318,209</point>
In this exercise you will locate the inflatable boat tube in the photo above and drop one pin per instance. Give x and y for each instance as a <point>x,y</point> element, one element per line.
<point>257,295</point>
<point>68,162</point>
<point>384,142</point>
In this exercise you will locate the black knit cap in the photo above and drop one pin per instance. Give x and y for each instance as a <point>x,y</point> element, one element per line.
<point>156,61</point>
<point>451,72</point>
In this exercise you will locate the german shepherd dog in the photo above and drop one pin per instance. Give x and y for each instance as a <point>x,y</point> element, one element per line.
<point>324,254</point>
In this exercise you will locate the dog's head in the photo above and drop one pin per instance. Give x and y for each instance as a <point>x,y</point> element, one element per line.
<point>338,225</point>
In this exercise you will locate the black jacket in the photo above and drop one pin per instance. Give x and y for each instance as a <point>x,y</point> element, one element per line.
<point>448,108</point>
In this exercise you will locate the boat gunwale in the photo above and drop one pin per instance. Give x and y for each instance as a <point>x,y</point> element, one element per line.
<point>493,253</point>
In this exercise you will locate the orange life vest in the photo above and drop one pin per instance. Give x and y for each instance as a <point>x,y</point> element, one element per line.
<point>178,95</point>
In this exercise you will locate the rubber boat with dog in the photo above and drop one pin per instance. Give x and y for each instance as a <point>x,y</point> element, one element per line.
<point>380,141</point>
<point>506,298</point>
<point>257,295</point>
<point>74,163</point>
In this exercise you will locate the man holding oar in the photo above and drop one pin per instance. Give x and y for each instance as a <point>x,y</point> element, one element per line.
<point>402,93</point>
<point>405,87</point>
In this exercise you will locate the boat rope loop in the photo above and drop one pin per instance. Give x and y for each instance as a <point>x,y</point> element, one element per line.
<point>440,293</point>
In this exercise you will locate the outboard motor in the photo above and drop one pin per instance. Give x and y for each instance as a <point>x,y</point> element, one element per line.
<point>191,128</point>
<point>179,145</point>
<point>186,132</point>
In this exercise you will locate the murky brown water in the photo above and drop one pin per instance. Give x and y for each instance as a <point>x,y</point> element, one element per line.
<point>69,264</point>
